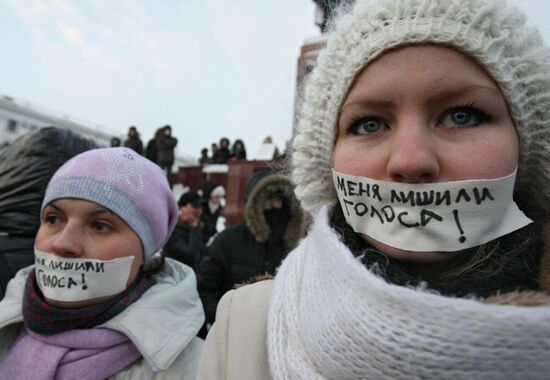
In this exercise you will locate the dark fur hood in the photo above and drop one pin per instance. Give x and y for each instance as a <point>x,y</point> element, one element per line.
<point>269,186</point>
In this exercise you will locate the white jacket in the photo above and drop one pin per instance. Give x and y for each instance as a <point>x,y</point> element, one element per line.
<point>162,324</point>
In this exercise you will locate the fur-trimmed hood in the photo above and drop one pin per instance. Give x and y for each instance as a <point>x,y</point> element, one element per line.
<point>273,185</point>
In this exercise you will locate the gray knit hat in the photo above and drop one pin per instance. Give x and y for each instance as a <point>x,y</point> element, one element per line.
<point>488,31</point>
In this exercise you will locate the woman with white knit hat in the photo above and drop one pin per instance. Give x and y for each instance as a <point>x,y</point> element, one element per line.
<point>422,155</point>
<point>99,302</point>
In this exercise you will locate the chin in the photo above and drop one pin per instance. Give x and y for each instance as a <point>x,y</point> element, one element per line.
<point>410,256</point>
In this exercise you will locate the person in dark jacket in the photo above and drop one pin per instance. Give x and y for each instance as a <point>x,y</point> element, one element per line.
<point>165,144</point>
<point>151,148</point>
<point>222,155</point>
<point>271,228</point>
<point>238,151</point>
<point>185,244</point>
<point>204,159</point>
<point>213,194</point>
<point>26,167</point>
<point>134,141</point>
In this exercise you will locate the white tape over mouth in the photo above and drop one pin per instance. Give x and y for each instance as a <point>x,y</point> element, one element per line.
<point>428,217</point>
<point>74,279</point>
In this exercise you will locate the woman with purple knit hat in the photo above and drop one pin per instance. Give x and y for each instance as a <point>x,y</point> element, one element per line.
<point>99,301</point>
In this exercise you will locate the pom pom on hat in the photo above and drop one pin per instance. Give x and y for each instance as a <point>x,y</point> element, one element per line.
<point>124,182</point>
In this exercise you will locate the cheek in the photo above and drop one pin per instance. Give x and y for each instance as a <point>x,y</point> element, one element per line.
<point>492,156</point>
<point>351,157</point>
<point>115,246</point>
<point>40,240</point>
<point>43,240</point>
<point>134,272</point>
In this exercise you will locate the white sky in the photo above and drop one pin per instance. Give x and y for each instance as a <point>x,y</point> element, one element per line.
<point>210,68</point>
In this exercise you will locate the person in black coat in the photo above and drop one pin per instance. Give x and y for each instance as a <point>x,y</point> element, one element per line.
<point>222,155</point>
<point>134,141</point>
<point>185,244</point>
<point>151,149</point>
<point>238,151</point>
<point>271,228</point>
<point>213,194</point>
<point>26,167</point>
<point>165,144</point>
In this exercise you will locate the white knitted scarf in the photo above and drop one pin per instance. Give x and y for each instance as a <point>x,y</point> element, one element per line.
<point>330,318</point>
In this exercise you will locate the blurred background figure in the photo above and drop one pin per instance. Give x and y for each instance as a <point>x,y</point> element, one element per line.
<point>271,228</point>
<point>238,151</point>
<point>213,148</point>
<point>151,148</point>
<point>185,243</point>
<point>222,154</point>
<point>204,159</point>
<point>214,196</point>
<point>115,142</point>
<point>268,150</point>
<point>26,166</point>
<point>134,141</point>
<point>165,144</point>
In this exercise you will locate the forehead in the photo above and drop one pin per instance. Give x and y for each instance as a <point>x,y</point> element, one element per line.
<point>420,68</point>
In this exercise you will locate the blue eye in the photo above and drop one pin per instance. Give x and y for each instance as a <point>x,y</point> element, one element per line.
<point>367,125</point>
<point>463,117</point>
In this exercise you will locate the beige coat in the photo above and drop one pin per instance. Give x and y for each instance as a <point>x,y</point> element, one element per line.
<point>236,346</point>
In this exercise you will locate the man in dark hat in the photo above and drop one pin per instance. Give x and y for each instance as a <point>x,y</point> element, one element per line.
<point>185,243</point>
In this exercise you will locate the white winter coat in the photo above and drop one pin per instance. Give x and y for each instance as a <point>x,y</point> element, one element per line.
<point>162,323</point>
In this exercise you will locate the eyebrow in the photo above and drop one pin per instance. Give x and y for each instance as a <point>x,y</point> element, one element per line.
<point>94,212</point>
<point>437,97</point>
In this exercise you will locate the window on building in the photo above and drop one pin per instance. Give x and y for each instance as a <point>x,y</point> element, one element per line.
<point>12,125</point>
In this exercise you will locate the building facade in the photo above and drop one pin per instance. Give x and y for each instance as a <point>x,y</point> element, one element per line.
<point>17,118</point>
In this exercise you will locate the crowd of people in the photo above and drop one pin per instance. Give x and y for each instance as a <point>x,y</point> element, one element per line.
<point>410,239</point>
<point>160,149</point>
<point>222,154</point>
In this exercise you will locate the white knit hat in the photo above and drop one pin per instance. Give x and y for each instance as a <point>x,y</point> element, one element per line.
<point>488,31</point>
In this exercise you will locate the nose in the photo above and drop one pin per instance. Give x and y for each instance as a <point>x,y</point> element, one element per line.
<point>68,242</point>
<point>413,156</point>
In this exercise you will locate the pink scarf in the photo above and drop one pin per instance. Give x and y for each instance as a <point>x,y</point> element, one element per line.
<point>84,354</point>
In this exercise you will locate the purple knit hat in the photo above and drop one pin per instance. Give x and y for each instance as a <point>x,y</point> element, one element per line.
<point>126,183</point>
